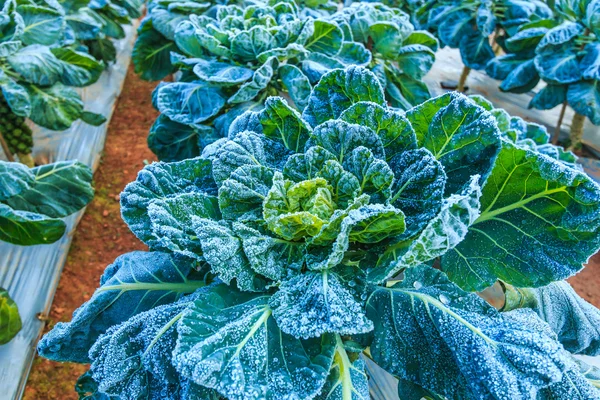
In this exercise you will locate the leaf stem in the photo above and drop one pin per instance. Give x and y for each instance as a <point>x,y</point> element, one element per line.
<point>576,134</point>
<point>559,123</point>
<point>463,79</point>
<point>9,155</point>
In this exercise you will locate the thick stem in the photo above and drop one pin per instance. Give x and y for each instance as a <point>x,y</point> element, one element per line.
<point>559,124</point>
<point>463,79</point>
<point>9,155</point>
<point>576,135</point>
<point>26,159</point>
<point>517,297</point>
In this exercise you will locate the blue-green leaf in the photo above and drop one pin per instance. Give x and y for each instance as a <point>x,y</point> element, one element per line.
<point>340,89</point>
<point>189,102</point>
<point>539,223</point>
<point>461,135</point>
<point>229,341</point>
<point>315,303</point>
<point>432,333</point>
<point>134,283</point>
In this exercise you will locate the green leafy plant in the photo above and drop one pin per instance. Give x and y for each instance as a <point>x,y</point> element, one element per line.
<point>473,25</point>
<point>301,241</point>
<point>567,59</point>
<point>34,201</point>
<point>37,75</point>
<point>10,321</point>
<point>401,55</point>
<point>234,61</point>
<point>91,26</point>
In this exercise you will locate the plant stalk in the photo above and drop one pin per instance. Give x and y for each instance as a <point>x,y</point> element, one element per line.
<point>9,155</point>
<point>576,134</point>
<point>26,159</point>
<point>517,297</point>
<point>463,79</point>
<point>559,124</point>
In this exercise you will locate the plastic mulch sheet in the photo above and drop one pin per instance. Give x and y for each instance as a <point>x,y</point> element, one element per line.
<point>31,274</point>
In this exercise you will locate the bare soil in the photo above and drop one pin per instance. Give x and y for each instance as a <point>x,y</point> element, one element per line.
<point>102,235</point>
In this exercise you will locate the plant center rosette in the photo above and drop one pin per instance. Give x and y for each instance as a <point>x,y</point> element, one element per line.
<point>301,241</point>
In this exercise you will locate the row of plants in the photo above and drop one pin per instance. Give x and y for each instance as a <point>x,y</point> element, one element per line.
<point>230,59</point>
<point>47,50</point>
<point>524,42</point>
<point>315,208</point>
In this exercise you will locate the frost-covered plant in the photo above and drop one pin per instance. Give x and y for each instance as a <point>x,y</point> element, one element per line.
<point>401,55</point>
<point>301,241</point>
<point>526,134</point>
<point>234,61</point>
<point>472,25</point>
<point>568,60</point>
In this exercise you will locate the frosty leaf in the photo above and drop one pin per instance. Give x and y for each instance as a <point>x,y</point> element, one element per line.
<point>189,102</point>
<point>580,382</point>
<point>151,53</point>
<point>341,138</point>
<point>87,389</point>
<point>590,63</point>
<point>558,67</point>
<point>461,135</point>
<point>247,45</point>
<point>360,223</point>
<point>135,282</point>
<point>171,220</point>
<point>261,78</point>
<point>296,210</point>
<point>242,195</point>
<point>344,185</point>
<point>133,359</point>
<point>281,122</point>
<point>347,379</point>
<point>443,232</point>
<point>415,60</point>
<point>392,127</point>
<point>476,51</point>
<point>247,148</point>
<point>160,181</point>
<point>539,223</point>
<point>338,90</point>
<point>36,64</point>
<point>374,175</point>
<point>432,333</point>
<point>172,141</point>
<point>270,257</point>
<point>315,303</point>
<point>522,79</point>
<point>296,83</point>
<point>418,187</point>
<point>584,97</point>
<point>10,320</point>
<point>575,321</point>
<point>549,97</point>
<point>221,74</point>
<point>326,38</point>
<point>229,341</point>
<point>222,249</point>
<point>303,166</point>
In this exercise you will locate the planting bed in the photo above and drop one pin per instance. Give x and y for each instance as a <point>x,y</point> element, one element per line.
<point>328,221</point>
